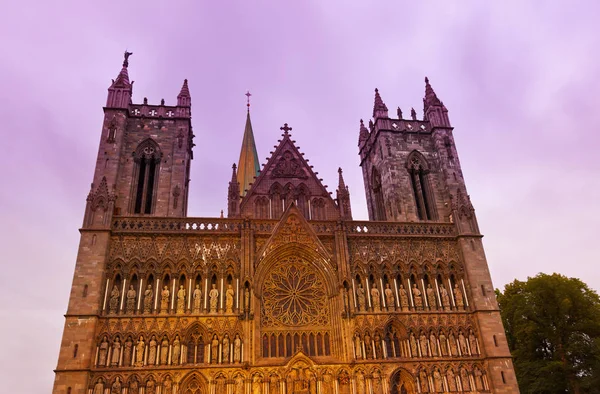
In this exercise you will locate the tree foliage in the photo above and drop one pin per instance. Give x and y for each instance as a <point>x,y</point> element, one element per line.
<point>553,329</point>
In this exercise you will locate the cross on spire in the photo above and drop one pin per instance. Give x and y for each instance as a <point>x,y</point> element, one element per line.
<point>285,128</point>
<point>248,94</point>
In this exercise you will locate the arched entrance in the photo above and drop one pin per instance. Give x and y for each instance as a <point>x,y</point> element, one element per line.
<point>193,384</point>
<point>402,383</point>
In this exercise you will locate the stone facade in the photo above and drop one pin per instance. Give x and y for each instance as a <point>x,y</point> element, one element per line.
<point>287,294</point>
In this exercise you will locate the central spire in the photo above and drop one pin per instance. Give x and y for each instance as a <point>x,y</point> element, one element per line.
<point>248,166</point>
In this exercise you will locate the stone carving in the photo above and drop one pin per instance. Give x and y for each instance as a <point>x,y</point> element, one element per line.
<point>181,300</point>
<point>164,351</point>
<point>445,298</point>
<point>360,383</point>
<point>463,344</point>
<point>377,386</point>
<point>103,352</point>
<point>213,295</point>
<point>389,297</point>
<point>443,344</point>
<point>375,298</point>
<point>433,344</point>
<point>451,379</point>
<point>344,383</point>
<point>220,386</point>
<point>360,295</point>
<point>128,348</point>
<point>139,351</point>
<point>423,343</point>
<point>116,386</point>
<point>237,349</point>
<point>417,297</point>
<point>453,346</point>
<point>239,384</point>
<point>99,386</point>
<point>464,380</point>
<point>116,352</point>
<point>438,381</point>
<point>225,349</point>
<point>152,351</point>
<point>164,300</point>
<point>150,387</point>
<point>473,343</point>
<point>197,299</point>
<point>327,384</point>
<point>148,298</point>
<point>114,300</point>
<point>357,346</point>
<point>134,386</point>
<point>458,296</point>
<point>413,346</point>
<point>214,350</point>
<point>478,379</point>
<point>229,299</point>
<point>256,385</point>
<point>403,298</point>
<point>424,381</point>
<point>247,299</point>
<point>368,346</point>
<point>378,346</point>
<point>168,386</point>
<point>130,305</point>
<point>288,167</point>
<point>431,297</point>
<point>273,385</point>
<point>176,351</point>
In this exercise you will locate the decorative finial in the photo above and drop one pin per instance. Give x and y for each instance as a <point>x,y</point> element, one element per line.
<point>399,113</point>
<point>126,60</point>
<point>426,80</point>
<point>162,101</point>
<point>248,94</point>
<point>362,123</point>
<point>340,170</point>
<point>413,114</point>
<point>285,128</point>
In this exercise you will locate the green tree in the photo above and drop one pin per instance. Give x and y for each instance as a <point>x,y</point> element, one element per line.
<point>553,329</point>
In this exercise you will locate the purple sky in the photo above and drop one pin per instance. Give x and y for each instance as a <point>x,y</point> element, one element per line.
<point>520,81</point>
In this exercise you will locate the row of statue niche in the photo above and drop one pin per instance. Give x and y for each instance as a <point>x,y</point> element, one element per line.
<point>134,387</point>
<point>417,298</point>
<point>376,347</point>
<point>213,296</point>
<point>464,381</point>
<point>227,348</point>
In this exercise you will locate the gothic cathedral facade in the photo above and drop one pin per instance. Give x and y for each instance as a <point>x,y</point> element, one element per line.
<point>287,294</point>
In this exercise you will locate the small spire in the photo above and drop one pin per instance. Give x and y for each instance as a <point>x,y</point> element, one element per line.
<point>399,112</point>
<point>380,110</point>
<point>248,166</point>
<point>413,114</point>
<point>120,90</point>
<point>183,98</point>
<point>234,173</point>
<point>430,96</point>
<point>221,214</point>
<point>341,183</point>
<point>363,133</point>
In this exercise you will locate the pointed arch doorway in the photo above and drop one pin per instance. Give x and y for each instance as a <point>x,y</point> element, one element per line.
<point>402,383</point>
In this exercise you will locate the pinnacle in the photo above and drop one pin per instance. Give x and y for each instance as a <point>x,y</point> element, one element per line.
<point>185,91</point>
<point>341,183</point>
<point>379,106</point>
<point>430,96</point>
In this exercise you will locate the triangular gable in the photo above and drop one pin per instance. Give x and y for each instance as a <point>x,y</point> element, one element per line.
<point>293,228</point>
<point>286,164</point>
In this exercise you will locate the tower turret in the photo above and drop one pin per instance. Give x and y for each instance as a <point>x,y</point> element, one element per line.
<point>184,100</point>
<point>343,198</point>
<point>120,90</point>
<point>233,195</point>
<point>380,110</point>
<point>433,109</point>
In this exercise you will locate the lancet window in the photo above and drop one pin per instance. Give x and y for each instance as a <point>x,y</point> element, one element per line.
<point>418,170</point>
<point>147,162</point>
<point>378,204</point>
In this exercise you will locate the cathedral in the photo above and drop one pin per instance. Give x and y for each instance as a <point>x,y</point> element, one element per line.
<point>287,294</point>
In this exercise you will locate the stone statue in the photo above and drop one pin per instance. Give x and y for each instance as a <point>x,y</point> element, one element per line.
<point>344,383</point>
<point>148,296</point>
<point>181,300</point>
<point>424,382</point>
<point>239,385</point>
<point>368,346</point>
<point>99,386</point>
<point>214,350</point>
<point>445,298</point>
<point>378,347</point>
<point>225,349</point>
<point>433,344</point>
<point>116,352</point>
<point>176,351</point>
<point>214,298</point>
<point>377,388</point>
<point>247,299</point>
<point>168,386</point>
<point>256,385</point>
<point>360,384</point>
<point>126,58</point>
<point>327,384</point>
<point>478,379</point>
<point>403,298</point>
<point>413,346</point>
<point>102,352</point>
<point>273,385</point>
<point>229,299</point>
<point>345,298</point>
<point>164,351</point>
<point>443,344</point>
<point>312,384</point>
<point>399,112</point>
<point>134,386</point>
<point>164,300</point>
<point>438,381</point>
<point>357,346</point>
<point>473,343</point>
<point>114,300</point>
<point>417,297</point>
<point>458,296</point>
<point>197,299</point>
<point>152,351</point>
<point>130,306</point>
<point>462,341</point>
<point>389,297</point>
<point>423,343</point>
<point>237,349</point>
<point>220,386</point>
<point>375,298</point>
<point>139,351</point>
<point>413,114</point>
<point>451,378</point>
<point>453,346</point>
<point>116,386</point>
<point>464,380</point>
<point>431,297</point>
<point>150,387</point>
<point>360,295</point>
<point>127,352</point>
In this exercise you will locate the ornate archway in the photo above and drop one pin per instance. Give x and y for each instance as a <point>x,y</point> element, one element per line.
<point>402,382</point>
<point>193,384</point>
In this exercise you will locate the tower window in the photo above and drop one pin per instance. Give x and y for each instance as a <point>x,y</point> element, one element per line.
<point>424,201</point>
<point>378,205</point>
<point>147,158</point>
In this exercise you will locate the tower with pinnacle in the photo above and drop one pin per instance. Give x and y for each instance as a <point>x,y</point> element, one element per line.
<point>288,294</point>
